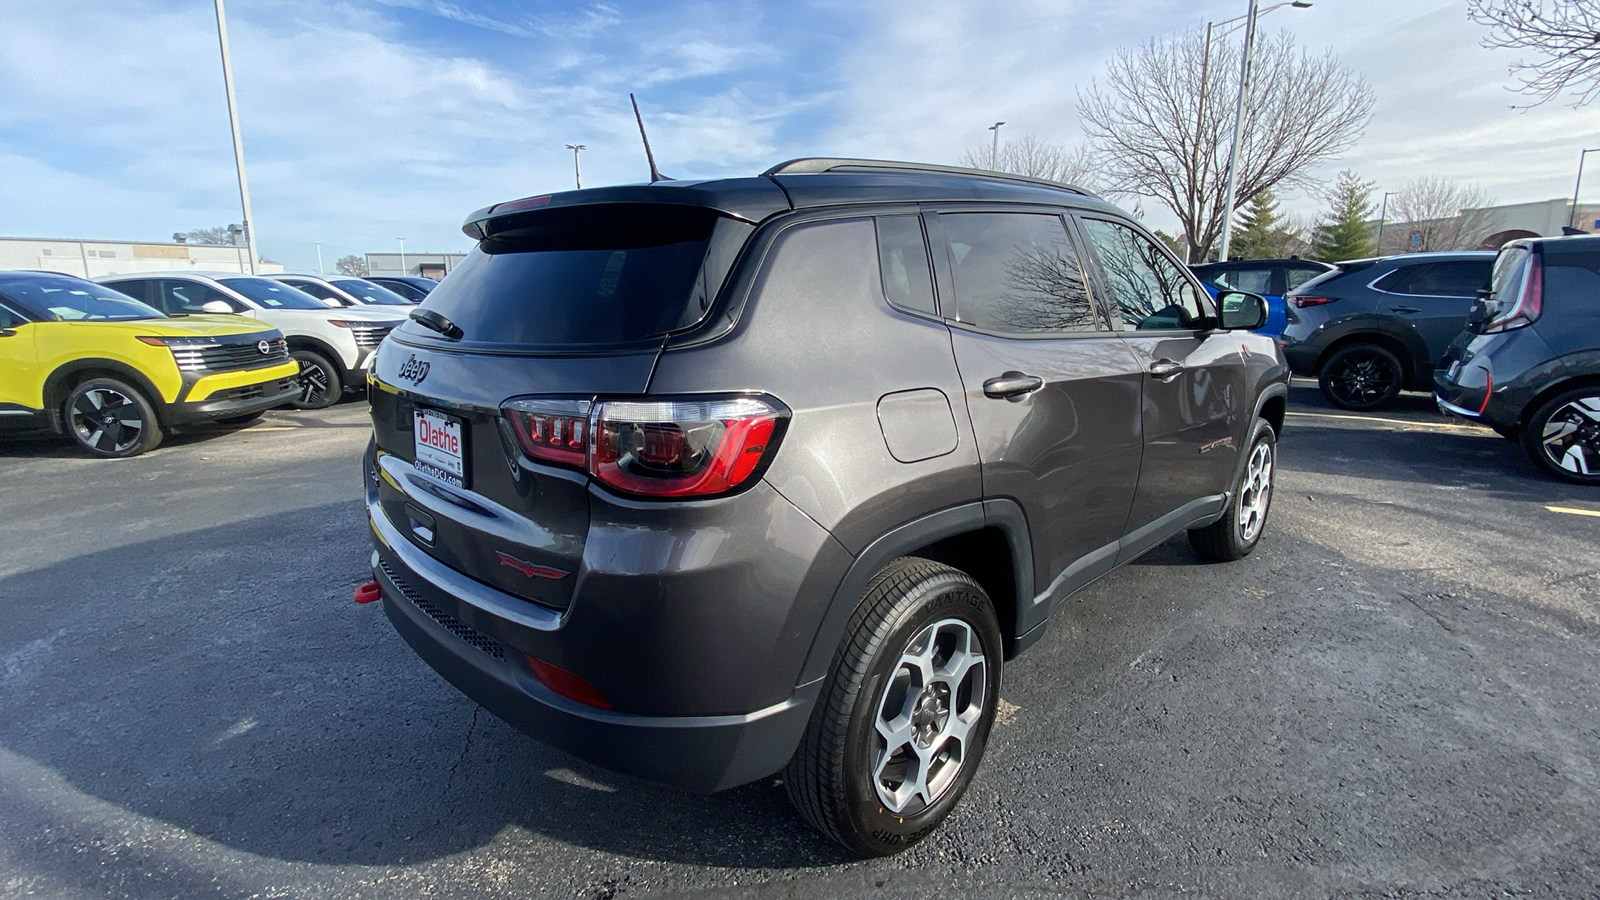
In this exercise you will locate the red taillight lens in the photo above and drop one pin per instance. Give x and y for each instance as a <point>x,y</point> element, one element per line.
<point>684,448</point>
<point>1528,306</point>
<point>553,431</point>
<point>567,684</point>
<point>1303,302</point>
<point>680,448</point>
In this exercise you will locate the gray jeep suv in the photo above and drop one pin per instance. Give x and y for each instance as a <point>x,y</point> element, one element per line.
<point>701,481</point>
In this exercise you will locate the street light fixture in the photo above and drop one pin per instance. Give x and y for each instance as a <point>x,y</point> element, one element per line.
<point>577,176</point>
<point>1238,116</point>
<point>994,152</point>
<point>1572,214</point>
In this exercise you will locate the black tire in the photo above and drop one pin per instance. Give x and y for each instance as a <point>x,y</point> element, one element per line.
<point>1361,377</point>
<point>1562,436</point>
<point>110,418</point>
<point>911,604</point>
<point>320,383</point>
<point>1239,530</point>
<point>236,421</point>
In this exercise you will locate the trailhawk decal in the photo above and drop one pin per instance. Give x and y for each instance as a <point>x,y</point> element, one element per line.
<point>1220,442</point>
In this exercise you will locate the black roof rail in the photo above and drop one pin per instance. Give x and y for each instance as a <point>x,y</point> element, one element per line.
<point>816,165</point>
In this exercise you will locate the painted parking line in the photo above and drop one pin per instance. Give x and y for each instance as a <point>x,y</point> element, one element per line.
<point>1426,426</point>
<point>1573,511</point>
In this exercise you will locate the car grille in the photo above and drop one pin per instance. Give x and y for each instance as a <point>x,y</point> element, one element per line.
<point>256,391</point>
<point>231,355</point>
<point>446,621</point>
<point>370,335</point>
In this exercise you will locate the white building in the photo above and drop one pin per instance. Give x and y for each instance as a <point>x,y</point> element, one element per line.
<point>92,259</point>
<point>425,265</point>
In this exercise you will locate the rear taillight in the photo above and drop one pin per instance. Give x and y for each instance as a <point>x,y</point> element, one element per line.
<point>1303,302</point>
<point>670,448</point>
<point>1530,303</point>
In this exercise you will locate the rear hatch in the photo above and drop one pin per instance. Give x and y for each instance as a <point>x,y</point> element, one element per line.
<point>558,306</point>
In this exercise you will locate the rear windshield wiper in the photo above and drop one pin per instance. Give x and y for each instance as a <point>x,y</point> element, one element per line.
<point>431,320</point>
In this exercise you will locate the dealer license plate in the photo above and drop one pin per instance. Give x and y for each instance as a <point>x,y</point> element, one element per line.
<point>441,448</point>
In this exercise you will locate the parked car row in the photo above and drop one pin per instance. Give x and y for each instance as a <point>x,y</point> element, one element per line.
<point>117,363</point>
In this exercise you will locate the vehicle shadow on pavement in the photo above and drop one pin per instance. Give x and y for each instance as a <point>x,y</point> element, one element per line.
<point>241,696</point>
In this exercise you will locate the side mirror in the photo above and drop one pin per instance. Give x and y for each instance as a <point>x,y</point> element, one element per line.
<point>217,308</point>
<point>1241,310</point>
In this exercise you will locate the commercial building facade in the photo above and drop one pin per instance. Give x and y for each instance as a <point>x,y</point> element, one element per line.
<point>425,265</point>
<point>92,259</point>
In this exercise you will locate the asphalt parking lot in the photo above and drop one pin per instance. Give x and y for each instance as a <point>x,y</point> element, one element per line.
<point>1396,695</point>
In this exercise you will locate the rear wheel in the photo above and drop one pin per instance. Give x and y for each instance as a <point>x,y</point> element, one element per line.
<point>1235,534</point>
<point>110,418</point>
<point>320,385</point>
<point>905,714</point>
<point>1361,377</point>
<point>1563,436</point>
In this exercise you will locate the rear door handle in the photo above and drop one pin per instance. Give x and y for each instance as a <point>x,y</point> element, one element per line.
<point>1404,309</point>
<point>1166,369</point>
<point>1011,385</point>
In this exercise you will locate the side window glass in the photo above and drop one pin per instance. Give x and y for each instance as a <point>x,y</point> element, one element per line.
<point>9,319</point>
<point>1400,280</point>
<point>1297,277</point>
<point>411,293</point>
<point>903,258</point>
<point>188,296</point>
<point>1256,281</point>
<point>315,290</point>
<point>1459,279</point>
<point>135,289</point>
<point>1018,273</point>
<point>1152,293</point>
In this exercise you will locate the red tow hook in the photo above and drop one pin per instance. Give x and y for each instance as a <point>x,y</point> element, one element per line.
<point>366,593</point>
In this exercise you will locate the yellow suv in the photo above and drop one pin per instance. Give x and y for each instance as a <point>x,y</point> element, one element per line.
<point>81,359</point>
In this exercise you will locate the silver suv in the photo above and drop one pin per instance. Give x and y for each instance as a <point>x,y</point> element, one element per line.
<point>703,481</point>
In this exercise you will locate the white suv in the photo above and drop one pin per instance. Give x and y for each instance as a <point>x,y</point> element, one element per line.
<point>345,290</point>
<point>333,346</point>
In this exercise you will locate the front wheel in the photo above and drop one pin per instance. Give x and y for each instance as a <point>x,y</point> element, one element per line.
<point>1563,436</point>
<point>320,385</point>
<point>905,714</point>
<point>1361,377</point>
<point>1239,530</point>
<point>111,419</point>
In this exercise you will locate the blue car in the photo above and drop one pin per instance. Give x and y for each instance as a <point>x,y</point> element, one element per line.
<point>1271,278</point>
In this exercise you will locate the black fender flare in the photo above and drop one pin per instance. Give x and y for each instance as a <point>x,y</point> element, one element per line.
<point>1004,515</point>
<point>55,390</point>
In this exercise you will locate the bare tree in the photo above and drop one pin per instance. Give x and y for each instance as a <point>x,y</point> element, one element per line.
<point>1037,158</point>
<point>351,265</point>
<point>1444,215</point>
<point>216,234</point>
<point>1562,35</point>
<point>1046,291</point>
<point>1159,132</point>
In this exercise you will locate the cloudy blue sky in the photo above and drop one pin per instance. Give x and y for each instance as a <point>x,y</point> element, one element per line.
<point>368,120</point>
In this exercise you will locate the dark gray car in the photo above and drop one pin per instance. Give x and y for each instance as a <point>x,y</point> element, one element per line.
<point>701,481</point>
<point>1371,328</point>
<point>1528,364</point>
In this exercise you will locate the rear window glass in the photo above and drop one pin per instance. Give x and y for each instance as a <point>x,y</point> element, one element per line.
<point>591,275</point>
<point>1311,284</point>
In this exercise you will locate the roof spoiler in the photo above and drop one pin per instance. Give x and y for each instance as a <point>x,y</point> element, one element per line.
<point>817,165</point>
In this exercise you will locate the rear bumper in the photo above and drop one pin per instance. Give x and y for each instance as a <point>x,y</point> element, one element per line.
<point>698,753</point>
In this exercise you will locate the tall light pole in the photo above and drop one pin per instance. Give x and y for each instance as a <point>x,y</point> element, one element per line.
<point>1238,117</point>
<point>403,270</point>
<point>1383,217</point>
<point>238,145</point>
<point>1572,214</point>
<point>994,152</point>
<point>319,257</point>
<point>577,176</point>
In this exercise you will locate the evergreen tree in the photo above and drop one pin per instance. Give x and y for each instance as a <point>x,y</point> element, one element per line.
<point>1344,232</point>
<point>1257,235</point>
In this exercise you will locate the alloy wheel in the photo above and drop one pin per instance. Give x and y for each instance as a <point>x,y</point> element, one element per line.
<point>107,420</point>
<point>1362,379</point>
<point>314,383</point>
<point>1571,436</point>
<point>1256,492</point>
<point>931,703</point>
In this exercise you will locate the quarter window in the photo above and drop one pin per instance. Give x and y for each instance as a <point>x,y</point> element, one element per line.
<point>1297,277</point>
<point>1018,273</point>
<point>1151,291</point>
<point>903,258</point>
